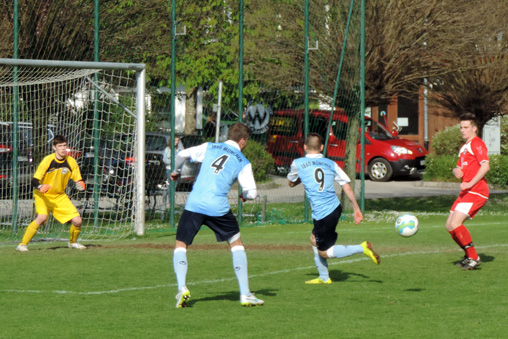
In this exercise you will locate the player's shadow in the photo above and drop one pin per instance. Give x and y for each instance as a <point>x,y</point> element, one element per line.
<point>54,248</point>
<point>232,296</point>
<point>486,258</point>
<point>61,247</point>
<point>414,290</point>
<point>337,275</point>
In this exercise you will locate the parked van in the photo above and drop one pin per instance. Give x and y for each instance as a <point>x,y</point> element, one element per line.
<point>386,156</point>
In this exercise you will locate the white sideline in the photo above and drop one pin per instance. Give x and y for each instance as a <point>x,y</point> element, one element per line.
<point>333,263</point>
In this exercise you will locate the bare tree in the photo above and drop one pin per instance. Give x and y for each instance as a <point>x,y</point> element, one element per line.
<point>475,78</point>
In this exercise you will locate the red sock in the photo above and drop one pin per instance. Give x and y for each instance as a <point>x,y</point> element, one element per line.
<point>464,240</point>
<point>454,237</point>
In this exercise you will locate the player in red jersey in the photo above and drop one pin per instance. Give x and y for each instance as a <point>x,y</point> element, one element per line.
<point>472,166</point>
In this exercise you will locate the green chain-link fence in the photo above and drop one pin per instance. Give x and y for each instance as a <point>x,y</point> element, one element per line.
<point>299,59</point>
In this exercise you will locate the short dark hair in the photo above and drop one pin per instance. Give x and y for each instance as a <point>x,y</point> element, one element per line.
<point>468,116</point>
<point>238,131</point>
<point>59,139</point>
<point>314,141</point>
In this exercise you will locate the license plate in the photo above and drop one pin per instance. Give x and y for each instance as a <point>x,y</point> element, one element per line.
<point>89,155</point>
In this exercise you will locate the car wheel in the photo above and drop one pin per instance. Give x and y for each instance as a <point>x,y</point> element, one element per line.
<point>380,170</point>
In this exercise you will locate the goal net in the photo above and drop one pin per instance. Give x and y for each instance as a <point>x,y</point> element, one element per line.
<point>99,108</point>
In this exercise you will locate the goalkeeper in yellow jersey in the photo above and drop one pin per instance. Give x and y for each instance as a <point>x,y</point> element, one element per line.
<point>49,182</point>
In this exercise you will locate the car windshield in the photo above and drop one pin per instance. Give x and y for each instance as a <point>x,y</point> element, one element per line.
<point>376,131</point>
<point>191,140</point>
<point>155,142</point>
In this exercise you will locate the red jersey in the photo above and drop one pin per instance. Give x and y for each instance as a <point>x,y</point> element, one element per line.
<point>471,156</point>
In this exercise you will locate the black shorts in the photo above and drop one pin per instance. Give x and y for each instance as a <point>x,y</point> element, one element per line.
<point>324,229</point>
<point>224,226</point>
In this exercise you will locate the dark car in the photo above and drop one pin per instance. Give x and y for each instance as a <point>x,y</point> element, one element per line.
<point>155,169</point>
<point>5,169</point>
<point>25,157</point>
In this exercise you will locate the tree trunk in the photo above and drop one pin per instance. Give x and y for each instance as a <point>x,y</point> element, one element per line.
<point>350,159</point>
<point>190,112</point>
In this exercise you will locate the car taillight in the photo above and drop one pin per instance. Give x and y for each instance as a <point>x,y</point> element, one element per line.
<point>73,153</point>
<point>130,160</point>
<point>272,138</point>
<point>5,149</point>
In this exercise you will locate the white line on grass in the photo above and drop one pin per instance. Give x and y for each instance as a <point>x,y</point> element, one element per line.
<point>333,263</point>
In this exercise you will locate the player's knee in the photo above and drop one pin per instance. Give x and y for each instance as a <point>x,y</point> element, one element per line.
<point>235,240</point>
<point>312,239</point>
<point>77,221</point>
<point>323,254</point>
<point>448,226</point>
<point>41,219</point>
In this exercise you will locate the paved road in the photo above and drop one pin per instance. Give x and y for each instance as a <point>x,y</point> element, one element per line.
<point>279,191</point>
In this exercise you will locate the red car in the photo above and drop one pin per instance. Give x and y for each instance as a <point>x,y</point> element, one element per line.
<point>386,156</point>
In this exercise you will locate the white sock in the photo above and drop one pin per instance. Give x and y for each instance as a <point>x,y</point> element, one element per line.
<point>341,251</point>
<point>321,264</point>
<point>240,267</point>
<point>180,266</point>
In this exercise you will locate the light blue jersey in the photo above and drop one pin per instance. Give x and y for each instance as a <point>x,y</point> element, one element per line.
<point>220,168</point>
<point>317,174</point>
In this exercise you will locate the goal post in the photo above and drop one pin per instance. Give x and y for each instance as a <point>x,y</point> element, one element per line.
<point>100,108</point>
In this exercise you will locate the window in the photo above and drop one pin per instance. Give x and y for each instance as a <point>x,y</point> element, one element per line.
<point>407,113</point>
<point>280,125</point>
<point>155,143</point>
<point>339,129</point>
<point>318,125</point>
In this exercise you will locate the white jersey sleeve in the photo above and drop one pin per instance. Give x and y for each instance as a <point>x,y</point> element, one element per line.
<point>196,153</point>
<point>340,176</point>
<point>293,172</point>
<point>246,181</point>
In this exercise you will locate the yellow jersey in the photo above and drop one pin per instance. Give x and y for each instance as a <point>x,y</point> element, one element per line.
<point>57,173</point>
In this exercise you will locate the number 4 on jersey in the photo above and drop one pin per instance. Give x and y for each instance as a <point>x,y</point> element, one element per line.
<point>219,163</point>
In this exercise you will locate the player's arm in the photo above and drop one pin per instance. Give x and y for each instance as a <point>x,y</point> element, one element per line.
<point>457,172</point>
<point>36,184</point>
<point>484,168</point>
<point>179,161</point>
<point>196,153</point>
<point>293,178</point>
<point>358,216</point>
<point>342,178</point>
<point>76,175</point>
<point>248,184</point>
<point>39,175</point>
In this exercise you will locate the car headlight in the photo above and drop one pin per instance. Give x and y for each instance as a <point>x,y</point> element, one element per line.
<point>401,150</point>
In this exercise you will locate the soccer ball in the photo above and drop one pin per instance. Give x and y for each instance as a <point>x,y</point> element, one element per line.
<point>406,225</point>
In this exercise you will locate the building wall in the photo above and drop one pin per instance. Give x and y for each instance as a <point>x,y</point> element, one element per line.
<point>436,120</point>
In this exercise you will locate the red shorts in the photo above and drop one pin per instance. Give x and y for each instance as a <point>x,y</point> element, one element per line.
<point>468,203</point>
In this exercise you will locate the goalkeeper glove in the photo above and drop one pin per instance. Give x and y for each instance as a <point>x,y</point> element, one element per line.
<point>80,185</point>
<point>44,188</point>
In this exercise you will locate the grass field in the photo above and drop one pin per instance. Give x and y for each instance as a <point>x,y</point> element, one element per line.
<point>125,289</point>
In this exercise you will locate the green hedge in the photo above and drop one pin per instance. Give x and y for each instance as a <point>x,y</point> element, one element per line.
<point>262,162</point>
<point>439,168</point>
<point>448,141</point>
